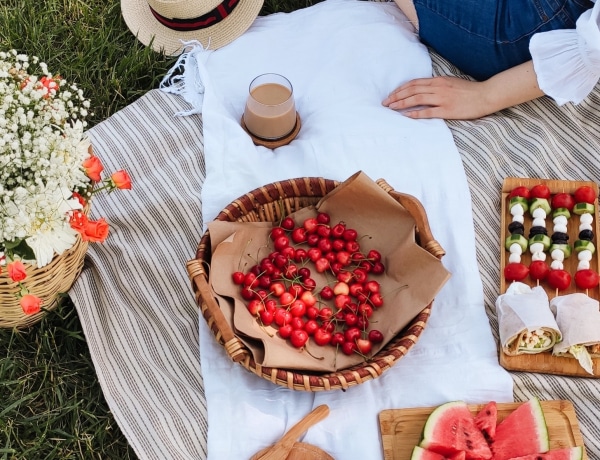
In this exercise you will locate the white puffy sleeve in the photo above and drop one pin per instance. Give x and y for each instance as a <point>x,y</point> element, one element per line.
<point>567,61</point>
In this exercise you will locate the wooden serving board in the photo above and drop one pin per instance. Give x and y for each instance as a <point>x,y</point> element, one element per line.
<point>545,362</point>
<point>401,429</point>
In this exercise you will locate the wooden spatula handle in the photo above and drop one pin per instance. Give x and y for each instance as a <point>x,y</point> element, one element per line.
<point>281,449</point>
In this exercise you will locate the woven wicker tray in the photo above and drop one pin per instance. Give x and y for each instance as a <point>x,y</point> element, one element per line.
<point>269,204</point>
<point>545,362</point>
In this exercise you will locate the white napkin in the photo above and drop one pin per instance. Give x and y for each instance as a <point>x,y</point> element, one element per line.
<point>578,317</point>
<point>343,57</point>
<point>522,310</point>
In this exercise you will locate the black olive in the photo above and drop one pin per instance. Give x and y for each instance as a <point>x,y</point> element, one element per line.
<point>586,235</point>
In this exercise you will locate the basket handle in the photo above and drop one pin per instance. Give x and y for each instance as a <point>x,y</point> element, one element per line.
<point>233,346</point>
<point>417,211</point>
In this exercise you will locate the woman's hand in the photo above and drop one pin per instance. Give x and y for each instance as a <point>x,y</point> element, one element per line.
<point>440,97</point>
<point>454,98</point>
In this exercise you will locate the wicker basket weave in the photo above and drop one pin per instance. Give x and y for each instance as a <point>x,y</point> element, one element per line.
<point>269,204</point>
<point>47,283</point>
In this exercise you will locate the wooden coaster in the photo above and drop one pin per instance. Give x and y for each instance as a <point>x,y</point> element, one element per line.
<point>274,143</point>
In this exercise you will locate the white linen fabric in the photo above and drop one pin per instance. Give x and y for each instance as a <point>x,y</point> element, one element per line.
<point>349,55</point>
<point>567,61</point>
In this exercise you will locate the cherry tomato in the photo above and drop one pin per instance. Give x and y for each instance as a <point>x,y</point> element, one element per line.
<point>521,191</point>
<point>586,279</point>
<point>559,279</point>
<point>515,272</point>
<point>585,194</point>
<point>540,191</point>
<point>563,200</point>
<point>538,270</point>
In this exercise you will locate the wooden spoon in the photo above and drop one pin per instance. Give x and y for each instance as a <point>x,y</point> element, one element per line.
<point>281,449</point>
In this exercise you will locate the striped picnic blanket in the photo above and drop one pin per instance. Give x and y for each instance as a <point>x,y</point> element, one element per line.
<point>147,358</point>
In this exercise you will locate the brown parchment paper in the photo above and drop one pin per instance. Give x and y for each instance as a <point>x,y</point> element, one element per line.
<point>413,276</point>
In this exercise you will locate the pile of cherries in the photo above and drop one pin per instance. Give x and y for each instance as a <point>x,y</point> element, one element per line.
<point>281,291</point>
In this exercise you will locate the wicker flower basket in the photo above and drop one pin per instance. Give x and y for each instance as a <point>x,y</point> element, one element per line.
<point>48,283</point>
<point>269,204</point>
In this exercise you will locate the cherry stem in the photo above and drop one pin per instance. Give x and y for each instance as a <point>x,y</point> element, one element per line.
<point>320,358</point>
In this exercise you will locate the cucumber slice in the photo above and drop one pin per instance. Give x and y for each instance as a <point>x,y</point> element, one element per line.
<point>561,212</point>
<point>541,238</point>
<point>518,200</point>
<point>565,248</point>
<point>581,245</point>
<point>583,208</point>
<point>516,238</point>
<point>540,203</point>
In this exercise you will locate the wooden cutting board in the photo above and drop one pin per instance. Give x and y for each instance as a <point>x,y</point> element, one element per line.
<point>544,362</point>
<point>401,428</point>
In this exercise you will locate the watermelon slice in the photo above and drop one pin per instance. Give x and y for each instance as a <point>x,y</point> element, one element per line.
<point>486,420</point>
<point>423,454</point>
<point>523,432</point>
<point>451,429</point>
<point>568,453</point>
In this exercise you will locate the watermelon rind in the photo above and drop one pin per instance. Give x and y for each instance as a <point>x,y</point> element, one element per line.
<point>567,453</point>
<point>451,429</point>
<point>522,432</point>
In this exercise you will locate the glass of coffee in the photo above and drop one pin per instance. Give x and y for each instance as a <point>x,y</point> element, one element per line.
<point>270,111</point>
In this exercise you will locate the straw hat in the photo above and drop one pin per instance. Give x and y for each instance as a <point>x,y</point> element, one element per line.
<point>163,24</point>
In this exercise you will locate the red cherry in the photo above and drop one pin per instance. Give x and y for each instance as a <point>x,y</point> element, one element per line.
<point>282,317</point>
<point>322,264</point>
<point>348,348</point>
<point>352,334</point>
<point>255,306</point>
<point>238,278</point>
<point>326,293</point>
<point>375,336</point>
<point>310,224</point>
<point>374,256</point>
<point>288,223</point>
<point>266,317</point>
<point>281,242</point>
<point>324,244</point>
<point>322,337</point>
<point>324,231</point>
<point>366,310</point>
<point>298,235</point>
<point>338,230</point>
<point>285,331</point>
<point>372,286</point>
<point>311,326</point>
<point>298,308</point>
<point>364,346</point>
<point>376,299</point>
<point>312,239</point>
<point>337,339</point>
<point>378,268</point>
<point>276,232</point>
<point>350,234</point>
<point>323,218</point>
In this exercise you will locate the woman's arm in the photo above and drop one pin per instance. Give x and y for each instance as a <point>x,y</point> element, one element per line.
<point>459,99</point>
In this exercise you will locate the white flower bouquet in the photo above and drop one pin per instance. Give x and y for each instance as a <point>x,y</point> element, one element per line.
<point>48,172</point>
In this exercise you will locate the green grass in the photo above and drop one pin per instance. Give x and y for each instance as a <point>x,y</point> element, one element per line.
<point>51,404</point>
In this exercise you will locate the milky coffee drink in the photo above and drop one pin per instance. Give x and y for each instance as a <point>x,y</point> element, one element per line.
<point>270,110</point>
